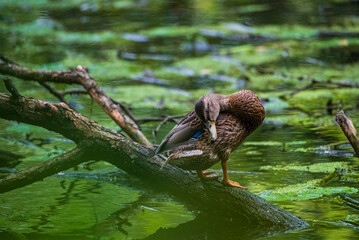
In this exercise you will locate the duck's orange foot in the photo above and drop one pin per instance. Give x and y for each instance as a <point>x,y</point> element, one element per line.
<point>207,175</point>
<point>232,184</point>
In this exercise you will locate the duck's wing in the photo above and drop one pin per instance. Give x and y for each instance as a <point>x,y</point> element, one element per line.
<point>182,133</point>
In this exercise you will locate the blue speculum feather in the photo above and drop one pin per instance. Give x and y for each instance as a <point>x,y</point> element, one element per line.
<point>199,133</point>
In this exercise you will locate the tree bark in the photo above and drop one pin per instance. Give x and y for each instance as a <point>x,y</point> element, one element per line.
<point>93,140</point>
<point>349,130</point>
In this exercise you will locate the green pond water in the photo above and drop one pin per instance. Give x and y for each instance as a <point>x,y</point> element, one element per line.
<point>159,57</point>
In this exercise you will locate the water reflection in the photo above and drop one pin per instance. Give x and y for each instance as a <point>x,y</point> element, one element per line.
<point>210,227</point>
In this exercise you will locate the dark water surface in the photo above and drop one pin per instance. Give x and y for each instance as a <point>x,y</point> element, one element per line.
<point>159,57</point>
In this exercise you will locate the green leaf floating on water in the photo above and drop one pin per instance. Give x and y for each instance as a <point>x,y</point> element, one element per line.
<point>317,167</point>
<point>303,191</point>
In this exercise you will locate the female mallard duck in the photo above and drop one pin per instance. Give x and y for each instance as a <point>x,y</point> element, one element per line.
<point>208,134</point>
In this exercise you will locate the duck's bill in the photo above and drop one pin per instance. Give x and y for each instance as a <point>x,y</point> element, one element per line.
<point>211,126</point>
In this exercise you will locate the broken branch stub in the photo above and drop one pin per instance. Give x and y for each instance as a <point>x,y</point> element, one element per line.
<point>349,130</point>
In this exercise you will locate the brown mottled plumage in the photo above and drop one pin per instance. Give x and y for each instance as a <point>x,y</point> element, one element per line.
<point>225,120</point>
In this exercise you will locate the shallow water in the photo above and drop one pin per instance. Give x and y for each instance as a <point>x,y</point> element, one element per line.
<point>159,57</point>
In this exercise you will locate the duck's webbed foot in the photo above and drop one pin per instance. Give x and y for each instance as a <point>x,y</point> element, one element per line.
<point>225,180</point>
<point>232,184</point>
<point>207,175</point>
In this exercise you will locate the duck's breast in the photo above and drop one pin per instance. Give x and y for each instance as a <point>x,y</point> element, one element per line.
<point>231,132</point>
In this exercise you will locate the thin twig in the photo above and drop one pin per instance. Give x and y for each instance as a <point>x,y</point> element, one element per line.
<point>7,60</point>
<point>11,88</point>
<point>157,129</point>
<point>53,91</point>
<point>161,118</point>
<point>74,91</point>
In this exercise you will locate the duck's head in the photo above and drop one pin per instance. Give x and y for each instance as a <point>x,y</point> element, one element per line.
<point>207,109</point>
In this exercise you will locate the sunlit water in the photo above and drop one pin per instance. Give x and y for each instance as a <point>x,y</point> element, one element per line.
<point>95,200</point>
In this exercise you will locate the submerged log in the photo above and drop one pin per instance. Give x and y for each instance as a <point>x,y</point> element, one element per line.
<point>349,130</point>
<point>94,142</point>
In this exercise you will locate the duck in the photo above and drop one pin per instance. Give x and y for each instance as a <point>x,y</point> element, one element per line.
<point>209,133</point>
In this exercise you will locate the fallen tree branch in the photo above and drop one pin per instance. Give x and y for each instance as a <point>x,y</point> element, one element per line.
<point>78,76</point>
<point>349,130</point>
<point>100,143</point>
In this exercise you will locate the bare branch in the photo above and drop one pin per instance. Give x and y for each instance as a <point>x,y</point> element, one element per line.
<point>53,91</point>
<point>125,108</point>
<point>155,131</point>
<point>80,76</point>
<point>157,119</point>
<point>11,88</point>
<point>74,91</point>
<point>125,122</point>
<point>18,71</point>
<point>6,59</point>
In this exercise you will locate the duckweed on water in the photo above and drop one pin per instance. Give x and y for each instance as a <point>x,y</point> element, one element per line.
<point>304,191</point>
<point>315,168</point>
